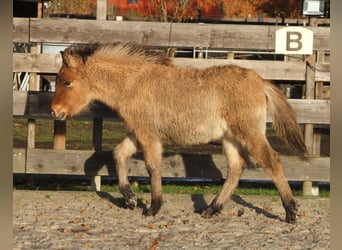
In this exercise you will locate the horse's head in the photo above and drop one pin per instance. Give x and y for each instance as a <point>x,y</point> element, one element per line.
<point>72,93</point>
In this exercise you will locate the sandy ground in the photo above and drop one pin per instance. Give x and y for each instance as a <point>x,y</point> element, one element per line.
<point>88,220</point>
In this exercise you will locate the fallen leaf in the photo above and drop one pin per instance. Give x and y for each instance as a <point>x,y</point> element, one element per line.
<point>303,215</point>
<point>154,245</point>
<point>39,218</point>
<point>84,211</point>
<point>231,212</point>
<point>269,209</point>
<point>78,234</point>
<point>151,226</point>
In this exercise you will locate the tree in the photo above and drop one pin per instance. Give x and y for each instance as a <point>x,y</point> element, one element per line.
<point>181,10</point>
<point>169,10</point>
<point>270,8</point>
<point>76,7</point>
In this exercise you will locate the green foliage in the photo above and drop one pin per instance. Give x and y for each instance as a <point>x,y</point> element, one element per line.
<point>56,183</point>
<point>80,7</point>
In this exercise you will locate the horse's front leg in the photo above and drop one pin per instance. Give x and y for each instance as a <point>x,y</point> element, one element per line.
<point>121,153</point>
<point>153,158</point>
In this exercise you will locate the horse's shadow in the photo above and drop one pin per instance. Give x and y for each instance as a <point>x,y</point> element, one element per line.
<point>102,161</point>
<point>202,166</point>
<point>200,204</point>
<point>120,202</point>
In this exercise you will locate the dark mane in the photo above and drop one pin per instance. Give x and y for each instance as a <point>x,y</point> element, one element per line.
<point>125,50</point>
<point>84,50</point>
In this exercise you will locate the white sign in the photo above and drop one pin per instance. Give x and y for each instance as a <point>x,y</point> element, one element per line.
<point>294,40</point>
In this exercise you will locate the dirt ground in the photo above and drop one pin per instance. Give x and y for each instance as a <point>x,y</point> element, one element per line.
<point>89,220</point>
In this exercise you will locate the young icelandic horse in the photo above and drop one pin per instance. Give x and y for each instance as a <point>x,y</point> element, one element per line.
<point>164,104</point>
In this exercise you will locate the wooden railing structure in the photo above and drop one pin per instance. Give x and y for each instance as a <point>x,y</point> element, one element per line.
<point>312,111</point>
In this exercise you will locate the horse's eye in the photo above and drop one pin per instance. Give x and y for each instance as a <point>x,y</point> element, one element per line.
<point>67,84</point>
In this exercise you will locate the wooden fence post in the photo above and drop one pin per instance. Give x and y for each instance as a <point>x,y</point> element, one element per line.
<point>309,128</point>
<point>34,85</point>
<point>59,134</point>
<point>318,95</point>
<point>101,14</point>
<point>101,10</point>
<point>309,94</point>
<point>310,136</point>
<point>97,144</point>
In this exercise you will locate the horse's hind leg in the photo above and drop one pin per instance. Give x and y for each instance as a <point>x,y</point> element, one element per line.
<point>153,149</point>
<point>236,165</point>
<point>121,153</point>
<point>153,158</point>
<point>268,159</point>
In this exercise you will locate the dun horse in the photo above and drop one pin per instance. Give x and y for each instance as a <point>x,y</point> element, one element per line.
<point>164,104</point>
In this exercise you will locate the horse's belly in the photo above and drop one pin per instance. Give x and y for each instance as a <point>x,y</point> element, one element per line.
<point>192,134</point>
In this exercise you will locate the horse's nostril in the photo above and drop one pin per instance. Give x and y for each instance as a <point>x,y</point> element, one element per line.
<point>58,116</point>
<point>53,114</point>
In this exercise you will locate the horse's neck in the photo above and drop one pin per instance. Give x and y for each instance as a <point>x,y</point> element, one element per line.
<point>108,86</point>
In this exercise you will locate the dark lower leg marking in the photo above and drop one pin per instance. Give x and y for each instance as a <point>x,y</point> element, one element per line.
<point>291,212</point>
<point>211,210</point>
<point>129,196</point>
<point>155,207</point>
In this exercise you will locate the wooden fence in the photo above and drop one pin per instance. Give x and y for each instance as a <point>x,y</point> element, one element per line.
<point>312,111</point>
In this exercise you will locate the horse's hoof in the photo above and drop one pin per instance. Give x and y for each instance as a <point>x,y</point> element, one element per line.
<point>131,201</point>
<point>151,212</point>
<point>154,208</point>
<point>292,219</point>
<point>291,213</point>
<point>209,212</point>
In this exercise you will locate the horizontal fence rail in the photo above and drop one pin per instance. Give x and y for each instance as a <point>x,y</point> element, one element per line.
<point>251,37</point>
<point>90,162</point>
<point>37,105</point>
<point>311,72</point>
<point>273,70</point>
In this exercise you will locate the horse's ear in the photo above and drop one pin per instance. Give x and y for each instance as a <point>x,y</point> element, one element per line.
<point>70,60</point>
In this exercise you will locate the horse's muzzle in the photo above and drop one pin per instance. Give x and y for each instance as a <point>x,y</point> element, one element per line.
<point>61,116</point>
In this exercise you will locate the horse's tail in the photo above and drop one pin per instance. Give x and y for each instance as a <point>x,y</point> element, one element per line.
<point>284,119</point>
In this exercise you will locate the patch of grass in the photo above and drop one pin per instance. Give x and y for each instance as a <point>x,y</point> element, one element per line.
<point>55,183</point>
<point>78,136</point>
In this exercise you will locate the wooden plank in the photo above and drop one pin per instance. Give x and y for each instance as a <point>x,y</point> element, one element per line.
<point>310,94</point>
<point>275,70</point>
<point>272,70</point>
<point>221,36</point>
<point>59,30</point>
<point>59,135</point>
<point>311,111</point>
<point>38,106</point>
<point>39,63</point>
<point>101,9</point>
<point>20,103</point>
<point>322,72</point>
<point>90,162</point>
<point>98,122</point>
<point>21,30</point>
<point>19,160</point>
<point>321,38</point>
<point>40,102</point>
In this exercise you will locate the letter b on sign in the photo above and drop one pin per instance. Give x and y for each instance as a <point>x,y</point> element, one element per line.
<point>294,40</point>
